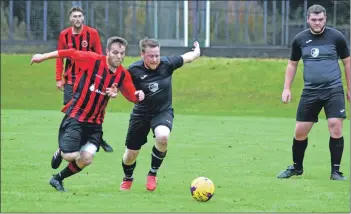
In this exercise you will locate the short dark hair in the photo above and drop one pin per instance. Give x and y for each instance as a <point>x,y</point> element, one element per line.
<point>116,39</point>
<point>74,9</point>
<point>316,8</point>
<point>148,43</point>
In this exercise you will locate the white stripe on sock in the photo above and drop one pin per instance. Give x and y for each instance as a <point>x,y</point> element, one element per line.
<point>153,154</point>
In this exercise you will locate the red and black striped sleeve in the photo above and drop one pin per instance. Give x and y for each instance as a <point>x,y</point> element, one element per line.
<point>59,61</point>
<point>96,41</point>
<point>79,55</point>
<point>127,87</point>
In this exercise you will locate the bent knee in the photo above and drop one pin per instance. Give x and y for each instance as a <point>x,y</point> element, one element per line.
<point>86,158</point>
<point>162,134</point>
<point>130,156</point>
<point>69,157</point>
<point>163,139</point>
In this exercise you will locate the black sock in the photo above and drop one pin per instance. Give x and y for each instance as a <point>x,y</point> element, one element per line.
<point>336,147</point>
<point>128,170</point>
<point>156,160</point>
<point>298,150</point>
<point>71,169</point>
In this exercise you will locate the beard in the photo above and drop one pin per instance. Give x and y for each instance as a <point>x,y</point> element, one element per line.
<point>78,25</point>
<point>317,31</point>
<point>151,66</point>
<point>114,63</point>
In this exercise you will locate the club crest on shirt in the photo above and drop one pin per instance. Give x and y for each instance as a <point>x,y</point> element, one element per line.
<point>153,86</point>
<point>314,52</point>
<point>84,43</point>
<point>92,88</point>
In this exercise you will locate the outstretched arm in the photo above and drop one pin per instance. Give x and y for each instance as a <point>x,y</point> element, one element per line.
<point>69,53</point>
<point>192,55</point>
<point>38,58</point>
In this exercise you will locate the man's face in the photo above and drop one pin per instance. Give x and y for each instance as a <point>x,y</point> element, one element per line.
<point>151,57</point>
<point>116,54</point>
<point>317,22</point>
<point>76,19</point>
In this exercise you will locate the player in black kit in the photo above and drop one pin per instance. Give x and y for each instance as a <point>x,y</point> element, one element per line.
<point>320,48</point>
<point>153,75</point>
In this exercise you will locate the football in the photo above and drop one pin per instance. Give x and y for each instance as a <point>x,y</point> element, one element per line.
<point>202,189</point>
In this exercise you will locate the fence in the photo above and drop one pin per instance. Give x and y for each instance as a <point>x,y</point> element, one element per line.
<point>250,24</point>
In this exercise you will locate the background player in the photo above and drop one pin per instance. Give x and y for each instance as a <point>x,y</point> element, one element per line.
<point>83,38</point>
<point>153,75</point>
<point>320,47</point>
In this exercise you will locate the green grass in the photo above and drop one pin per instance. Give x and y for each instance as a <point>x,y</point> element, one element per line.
<point>242,155</point>
<point>209,86</point>
<point>229,126</point>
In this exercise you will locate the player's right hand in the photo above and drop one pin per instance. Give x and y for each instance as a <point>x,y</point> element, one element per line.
<point>37,58</point>
<point>112,91</point>
<point>59,84</point>
<point>140,95</point>
<point>286,96</point>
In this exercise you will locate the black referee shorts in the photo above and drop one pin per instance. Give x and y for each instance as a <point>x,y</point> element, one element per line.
<point>312,102</point>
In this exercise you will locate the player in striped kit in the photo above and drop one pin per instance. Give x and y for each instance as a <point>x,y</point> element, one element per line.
<point>80,132</point>
<point>83,38</point>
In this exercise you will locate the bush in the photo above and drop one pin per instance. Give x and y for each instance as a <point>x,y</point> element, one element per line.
<point>19,28</point>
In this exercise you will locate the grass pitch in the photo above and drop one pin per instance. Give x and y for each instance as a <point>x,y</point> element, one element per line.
<point>229,126</point>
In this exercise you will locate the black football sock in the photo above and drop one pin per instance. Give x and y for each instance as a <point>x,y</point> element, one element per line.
<point>128,170</point>
<point>298,150</point>
<point>336,147</point>
<point>71,169</point>
<point>156,160</point>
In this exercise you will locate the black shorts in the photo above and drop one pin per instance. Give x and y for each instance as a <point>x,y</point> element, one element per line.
<point>312,102</point>
<point>67,93</point>
<point>139,127</point>
<point>74,134</point>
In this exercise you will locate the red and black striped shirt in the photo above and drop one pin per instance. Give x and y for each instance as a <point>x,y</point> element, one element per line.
<point>87,40</point>
<point>89,94</point>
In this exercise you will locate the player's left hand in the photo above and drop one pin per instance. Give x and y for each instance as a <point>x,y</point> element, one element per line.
<point>37,58</point>
<point>113,91</point>
<point>196,47</point>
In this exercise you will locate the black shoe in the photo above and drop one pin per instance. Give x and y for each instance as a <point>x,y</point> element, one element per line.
<point>57,184</point>
<point>290,171</point>
<point>56,159</point>
<point>337,176</point>
<point>106,147</point>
